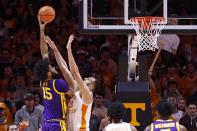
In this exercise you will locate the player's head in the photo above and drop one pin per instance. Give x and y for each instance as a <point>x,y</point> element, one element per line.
<point>90,82</point>
<point>52,71</point>
<point>43,70</point>
<point>164,109</point>
<point>116,112</point>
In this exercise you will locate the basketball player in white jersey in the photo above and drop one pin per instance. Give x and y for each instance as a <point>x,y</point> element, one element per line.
<point>115,113</point>
<point>81,103</point>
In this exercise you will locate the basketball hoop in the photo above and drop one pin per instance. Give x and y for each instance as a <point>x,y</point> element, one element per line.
<point>147,28</point>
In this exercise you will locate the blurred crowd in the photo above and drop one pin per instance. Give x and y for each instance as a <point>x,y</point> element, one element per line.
<point>174,76</point>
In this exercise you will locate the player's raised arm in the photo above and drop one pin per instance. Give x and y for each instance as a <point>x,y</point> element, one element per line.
<point>43,44</point>
<point>86,92</point>
<point>70,40</point>
<point>62,65</point>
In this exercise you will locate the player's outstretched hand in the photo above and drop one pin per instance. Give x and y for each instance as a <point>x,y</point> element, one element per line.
<point>41,25</point>
<point>71,39</point>
<point>50,43</point>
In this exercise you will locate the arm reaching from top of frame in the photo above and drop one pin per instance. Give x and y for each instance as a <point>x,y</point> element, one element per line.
<point>43,44</point>
<point>86,92</point>
<point>71,67</point>
<point>63,66</point>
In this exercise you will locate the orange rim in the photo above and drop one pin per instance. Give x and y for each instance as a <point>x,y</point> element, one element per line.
<point>146,20</point>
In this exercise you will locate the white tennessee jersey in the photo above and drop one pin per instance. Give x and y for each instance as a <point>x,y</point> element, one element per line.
<point>123,126</point>
<point>80,116</point>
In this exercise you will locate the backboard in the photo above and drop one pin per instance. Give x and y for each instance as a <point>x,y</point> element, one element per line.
<point>113,16</point>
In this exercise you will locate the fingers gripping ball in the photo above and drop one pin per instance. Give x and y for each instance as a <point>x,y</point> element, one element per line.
<point>47,14</point>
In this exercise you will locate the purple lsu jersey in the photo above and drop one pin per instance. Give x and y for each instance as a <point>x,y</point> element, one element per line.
<point>54,99</point>
<point>165,125</point>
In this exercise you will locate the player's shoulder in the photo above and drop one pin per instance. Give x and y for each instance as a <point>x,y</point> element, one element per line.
<point>125,123</point>
<point>60,81</point>
<point>60,85</point>
<point>128,125</point>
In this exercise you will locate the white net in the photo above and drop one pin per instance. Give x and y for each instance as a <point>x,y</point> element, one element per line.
<point>147,30</point>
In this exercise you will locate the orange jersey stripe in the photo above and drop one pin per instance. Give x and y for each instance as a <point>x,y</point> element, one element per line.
<point>83,120</point>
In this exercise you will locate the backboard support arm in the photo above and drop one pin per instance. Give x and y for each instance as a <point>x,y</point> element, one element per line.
<point>132,59</point>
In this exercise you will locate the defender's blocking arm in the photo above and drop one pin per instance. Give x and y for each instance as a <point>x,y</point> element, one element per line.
<point>86,93</point>
<point>62,65</point>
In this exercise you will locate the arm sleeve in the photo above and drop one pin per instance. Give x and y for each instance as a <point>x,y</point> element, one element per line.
<point>40,119</point>
<point>17,119</point>
<point>61,85</point>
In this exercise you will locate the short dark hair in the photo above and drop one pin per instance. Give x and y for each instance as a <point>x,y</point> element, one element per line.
<point>192,103</point>
<point>171,95</point>
<point>29,96</point>
<point>98,92</point>
<point>116,111</point>
<point>164,108</point>
<point>41,69</point>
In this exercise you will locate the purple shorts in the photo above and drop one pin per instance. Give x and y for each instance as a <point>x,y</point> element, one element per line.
<point>53,126</point>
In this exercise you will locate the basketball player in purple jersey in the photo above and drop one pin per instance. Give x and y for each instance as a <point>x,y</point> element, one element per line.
<point>164,123</point>
<point>54,90</point>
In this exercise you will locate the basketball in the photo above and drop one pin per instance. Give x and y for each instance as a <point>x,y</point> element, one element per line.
<point>47,14</point>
